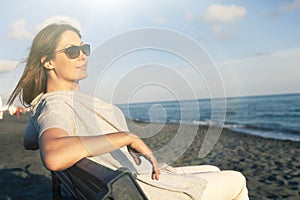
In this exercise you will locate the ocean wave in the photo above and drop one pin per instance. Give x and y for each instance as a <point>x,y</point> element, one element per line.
<point>229,126</point>
<point>269,134</point>
<point>279,115</point>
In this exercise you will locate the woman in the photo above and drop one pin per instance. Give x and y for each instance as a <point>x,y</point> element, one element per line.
<point>65,121</point>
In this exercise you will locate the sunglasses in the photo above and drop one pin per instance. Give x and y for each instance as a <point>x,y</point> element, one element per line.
<point>74,51</point>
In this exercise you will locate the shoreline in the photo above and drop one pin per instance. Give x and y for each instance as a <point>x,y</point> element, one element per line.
<point>271,166</point>
<point>224,127</point>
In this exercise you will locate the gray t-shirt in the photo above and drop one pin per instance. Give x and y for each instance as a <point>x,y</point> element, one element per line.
<point>81,115</point>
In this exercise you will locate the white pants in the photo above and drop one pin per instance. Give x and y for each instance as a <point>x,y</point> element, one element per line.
<point>220,184</point>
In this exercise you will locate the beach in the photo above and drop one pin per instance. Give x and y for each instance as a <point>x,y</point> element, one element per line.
<point>272,167</point>
<point>22,174</point>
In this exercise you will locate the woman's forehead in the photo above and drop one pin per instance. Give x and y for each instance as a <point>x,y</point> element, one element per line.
<point>69,38</point>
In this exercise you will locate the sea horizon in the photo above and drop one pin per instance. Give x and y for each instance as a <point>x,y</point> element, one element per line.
<point>271,116</point>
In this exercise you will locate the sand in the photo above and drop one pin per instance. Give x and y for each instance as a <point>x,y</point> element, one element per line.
<point>22,175</point>
<point>272,167</point>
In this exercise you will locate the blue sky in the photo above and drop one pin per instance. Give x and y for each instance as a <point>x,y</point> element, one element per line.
<point>254,45</point>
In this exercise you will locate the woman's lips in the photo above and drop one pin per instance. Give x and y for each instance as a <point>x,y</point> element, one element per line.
<point>83,67</point>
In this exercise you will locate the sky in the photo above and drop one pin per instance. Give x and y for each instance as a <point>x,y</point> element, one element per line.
<point>199,48</point>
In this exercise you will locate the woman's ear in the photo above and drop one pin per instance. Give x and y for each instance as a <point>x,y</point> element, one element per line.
<point>47,64</point>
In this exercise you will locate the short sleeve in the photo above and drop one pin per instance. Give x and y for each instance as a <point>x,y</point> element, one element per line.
<point>54,113</point>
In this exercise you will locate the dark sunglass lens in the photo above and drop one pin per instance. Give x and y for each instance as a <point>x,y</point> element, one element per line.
<point>86,49</point>
<point>73,52</point>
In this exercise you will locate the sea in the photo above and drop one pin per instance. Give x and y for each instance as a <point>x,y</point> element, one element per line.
<point>270,116</point>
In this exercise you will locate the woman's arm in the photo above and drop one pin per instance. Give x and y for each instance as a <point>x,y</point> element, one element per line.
<point>60,151</point>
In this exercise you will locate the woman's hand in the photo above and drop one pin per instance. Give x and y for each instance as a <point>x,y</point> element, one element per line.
<point>138,148</point>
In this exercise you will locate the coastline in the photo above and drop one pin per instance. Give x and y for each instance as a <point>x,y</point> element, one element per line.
<point>270,166</point>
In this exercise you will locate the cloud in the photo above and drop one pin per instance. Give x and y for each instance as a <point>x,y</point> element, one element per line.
<point>59,19</point>
<point>220,15</point>
<point>160,20</point>
<point>287,8</point>
<point>18,31</point>
<point>6,65</point>
<point>223,14</point>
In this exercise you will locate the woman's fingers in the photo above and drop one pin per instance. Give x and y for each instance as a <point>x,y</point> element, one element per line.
<point>155,170</point>
<point>155,174</point>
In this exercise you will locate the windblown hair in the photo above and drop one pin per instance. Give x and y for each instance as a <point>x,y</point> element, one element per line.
<point>34,78</point>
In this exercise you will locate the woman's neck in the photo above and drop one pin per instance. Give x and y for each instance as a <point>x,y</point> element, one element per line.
<point>52,87</point>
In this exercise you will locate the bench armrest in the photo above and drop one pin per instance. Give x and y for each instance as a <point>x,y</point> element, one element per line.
<point>90,180</point>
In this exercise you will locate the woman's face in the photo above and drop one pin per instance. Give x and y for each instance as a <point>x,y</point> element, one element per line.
<point>67,69</point>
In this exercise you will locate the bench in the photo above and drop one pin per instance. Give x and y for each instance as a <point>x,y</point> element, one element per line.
<point>90,180</point>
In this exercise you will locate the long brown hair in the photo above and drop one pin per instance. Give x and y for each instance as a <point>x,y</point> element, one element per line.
<point>34,78</point>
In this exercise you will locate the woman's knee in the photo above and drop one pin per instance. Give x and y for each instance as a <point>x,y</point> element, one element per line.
<point>239,183</point>
<point>238,176</point>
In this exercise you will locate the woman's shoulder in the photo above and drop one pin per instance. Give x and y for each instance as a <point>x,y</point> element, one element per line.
<point>73,99</point>
<point>53,100</point>
<point>59,96</point>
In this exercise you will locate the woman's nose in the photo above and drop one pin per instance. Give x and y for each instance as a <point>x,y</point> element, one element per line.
<point>82,55</point>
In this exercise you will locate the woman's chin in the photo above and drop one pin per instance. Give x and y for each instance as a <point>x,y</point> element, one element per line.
<point>82,75</point>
